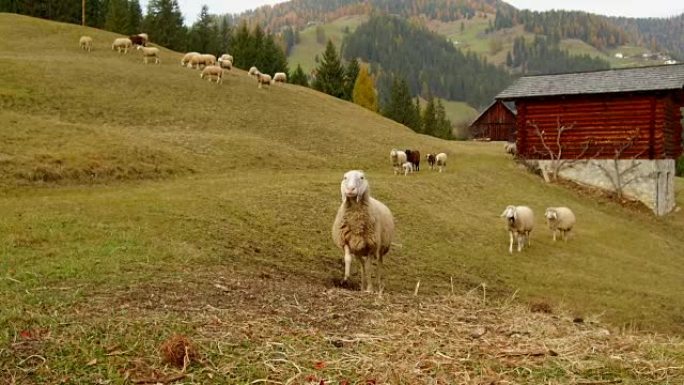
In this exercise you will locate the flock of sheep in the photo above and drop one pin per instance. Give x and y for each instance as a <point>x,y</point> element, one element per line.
<point>364,226</point>
<point>212,68</point>
<point>408,161</point>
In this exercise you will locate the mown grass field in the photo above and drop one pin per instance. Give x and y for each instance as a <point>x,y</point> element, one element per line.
<point>137,202</point>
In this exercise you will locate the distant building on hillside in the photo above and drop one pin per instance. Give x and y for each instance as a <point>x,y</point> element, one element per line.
<point>618,129</point>
<point>496,122</point>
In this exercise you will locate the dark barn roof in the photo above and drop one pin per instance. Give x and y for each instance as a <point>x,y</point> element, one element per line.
<point>656,78</point>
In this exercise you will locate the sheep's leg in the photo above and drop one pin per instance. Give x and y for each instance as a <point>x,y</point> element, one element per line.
<point>521,239</point>
<point>554,235</point>
<point>347,263</point>
<point>369,276</point>
<point>527,239</point>
<point>510,246</point>
<point>378,273</point>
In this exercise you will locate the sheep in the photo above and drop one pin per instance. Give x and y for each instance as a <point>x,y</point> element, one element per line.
<point>122,43</point>
<point>145,37</point>
<point>431,160</point>
<point>149,52</point>
<point>186,58</point>
<point>398,158</point>
<point>227,64</point>
<point>263,79</point>
<point>138,40</point>
<point>253,72</point>
<point>440,161</point>
<point>408,167</point>
<point>197,61</point>
<point>209,59</point>
<point>363,227</point>
<point>519,222</point>
<point>213,71</point>
<point>511,148</point>
<point>560,219</point>
<point>280,77</point>
<point>413,156</point>
<point>86,43</point>
<point>225,57</point>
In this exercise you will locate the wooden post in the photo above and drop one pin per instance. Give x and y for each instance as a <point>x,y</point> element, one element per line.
<point>83,9</point>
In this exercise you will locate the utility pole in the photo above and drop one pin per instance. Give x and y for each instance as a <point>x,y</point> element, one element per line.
<point>83,6</point>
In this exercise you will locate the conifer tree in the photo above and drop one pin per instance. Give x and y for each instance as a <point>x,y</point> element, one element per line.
<point>117,16</point>
<point>204,34</point>
<point>429,120</point>
<point>364,91</point>
<point>350,75</point>
<point>164,23</point>
<point>134,21</point>
<point>299,77</point>
<point>330,73</point>
<point>400,105</point>
<point>442,123</point>
<point>241,47</point>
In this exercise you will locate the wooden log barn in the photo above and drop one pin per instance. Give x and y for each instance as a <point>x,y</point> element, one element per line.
<point>496,122</point>
<point>613,115</point>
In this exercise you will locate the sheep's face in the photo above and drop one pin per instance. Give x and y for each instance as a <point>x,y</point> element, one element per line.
<point>354,185</point>
<point>510,214</point>
<point>551,215</point>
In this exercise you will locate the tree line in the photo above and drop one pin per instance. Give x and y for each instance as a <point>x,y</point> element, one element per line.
<point>427,61</point>
<point>543,56</point>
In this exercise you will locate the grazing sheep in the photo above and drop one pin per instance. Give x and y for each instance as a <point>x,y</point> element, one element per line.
<point>145,37</point>
<point>122,44</point>
<point>197,61</point>
<point>227,64</point>
<point>213,71</point>
<point>280,77</point>
<point>85,43</point>
<point>413,156</point>
<point>186,58</point>
<point>225,57</point>
<point>398,158</point>
<point>408,167</point>
<point>431,160</point>
<point>560,219</point>
<point>363,227</point>
<point>511,148</point>
<point>253,71</point>
<point>263,79</point>
<point>519,222</point>
<point>209,59</point>
<point>149,52</point>
<point>138,40</point>
<point>440,161</point>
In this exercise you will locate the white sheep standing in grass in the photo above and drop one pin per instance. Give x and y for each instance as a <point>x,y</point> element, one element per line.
<point>209,59</point>
<point>227,64</point>
<point>441,161</point>
<point>225,57</point>
<point>264,79</point>
<point>186,58</point>
<point>408,168</point>
<point>149,52</point>
<point>253,72</point>
<point>560,219</point>
<point>122,44</point>
<point>511,148</point>
<point>86,43</point>
<point>213,72</point>
<point>519,222</point>
<point>398,158</point>
<point>280,77</point>
<point>363,227</point>
<point>145,37</point>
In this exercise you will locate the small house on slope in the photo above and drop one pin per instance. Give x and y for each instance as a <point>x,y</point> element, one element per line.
<point>496,122</point>
<point>617,129</point>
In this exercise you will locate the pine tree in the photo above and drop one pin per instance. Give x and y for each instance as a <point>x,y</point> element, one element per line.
<point>164,23</point>
<point>241,47</point>
<point>117,16</point>
<point>429,119</point>
<point>350,76</point>
<point>134,21</point>
<point>299,77</point>
<point>224,38</point>
<point>442,123</point>
<point>203,35</point>
<point>400,106</point>
<point>364,91</point>
<point>417,116</point>
<point>330,73</point>
<point>272,57</point>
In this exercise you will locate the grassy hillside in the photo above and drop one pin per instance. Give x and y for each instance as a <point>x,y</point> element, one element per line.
<point>141,201</point>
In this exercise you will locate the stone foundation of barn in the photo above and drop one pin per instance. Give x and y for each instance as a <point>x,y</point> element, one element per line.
<point>653,180</point>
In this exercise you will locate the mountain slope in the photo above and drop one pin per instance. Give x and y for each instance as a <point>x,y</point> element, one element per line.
<point>173,205</point>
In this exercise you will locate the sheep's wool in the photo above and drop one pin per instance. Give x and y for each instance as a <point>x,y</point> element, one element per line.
<point>357,229</point>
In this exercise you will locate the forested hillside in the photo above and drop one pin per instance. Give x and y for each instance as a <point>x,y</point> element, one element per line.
<point>426,60</point>
<point>667,33</point>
